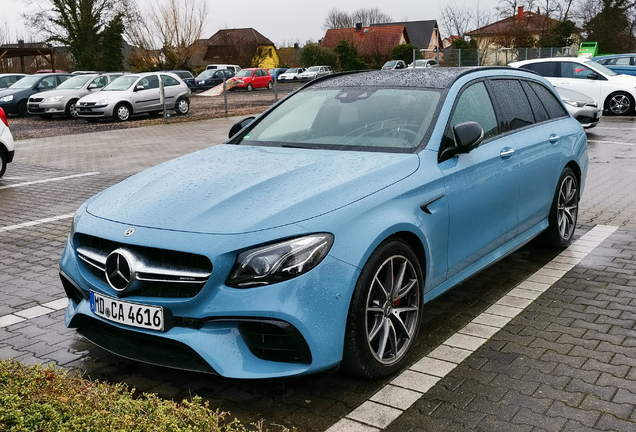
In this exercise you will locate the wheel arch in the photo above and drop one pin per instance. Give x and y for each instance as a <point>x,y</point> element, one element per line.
<point>124,102</point>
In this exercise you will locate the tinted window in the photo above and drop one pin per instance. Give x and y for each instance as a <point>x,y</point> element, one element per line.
<point>169,81</point>
<point>550,102</point>
<point>513,104</point>
<point>546,69</point>
<point>474,105</point>
<point>540,113</point>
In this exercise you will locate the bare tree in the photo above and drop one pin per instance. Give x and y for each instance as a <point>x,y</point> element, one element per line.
<point>366,16</point>
<point>455,20</point>
<point>167,32</point>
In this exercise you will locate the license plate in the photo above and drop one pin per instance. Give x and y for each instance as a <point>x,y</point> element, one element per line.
<point>128,313</point>
<point>85,109</point>
<point>34,106</point>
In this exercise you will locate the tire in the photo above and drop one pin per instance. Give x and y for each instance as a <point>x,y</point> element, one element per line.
<point>122,112</point>
<point>250,87</point>
<point>619,103</point>
<point>182,107</point>
<point>22,109</point>
<point>564,211</point>
<point>381,328</point>
<point>70,110</point>
<point>3,163</point>
<point>270,85</point>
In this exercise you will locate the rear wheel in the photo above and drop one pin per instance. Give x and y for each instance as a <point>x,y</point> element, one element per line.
<point>384,315</point>
<point>564,211</point>
<point>270,85</point>
<point>3,163</point>
<point>182,106</point>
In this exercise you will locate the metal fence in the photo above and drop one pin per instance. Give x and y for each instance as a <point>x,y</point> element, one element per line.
<point>451,57</point>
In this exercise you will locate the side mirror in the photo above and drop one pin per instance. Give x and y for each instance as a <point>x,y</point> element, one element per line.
<point>399,66</point>
<point>92,86</point>
<point>468,136</point>
<point>592,76</point>
<point>237,127</point>
<point>139,87</point>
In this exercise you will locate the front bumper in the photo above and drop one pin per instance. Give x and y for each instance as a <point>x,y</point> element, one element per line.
<point>44,108</point>
<point>94,111</point>
<point>589,116</point>
<point>223,330</point>
<point>10,107</point>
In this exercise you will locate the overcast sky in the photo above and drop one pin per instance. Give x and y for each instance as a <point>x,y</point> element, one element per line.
<point>279,21</point>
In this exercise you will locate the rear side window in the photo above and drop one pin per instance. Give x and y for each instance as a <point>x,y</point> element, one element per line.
<point>546,69</point>
<point>169,81</point>
<point>549,100</point>
<point>540,113</point>
<point>513,105</point>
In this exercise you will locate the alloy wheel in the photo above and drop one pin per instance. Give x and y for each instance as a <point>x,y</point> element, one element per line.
<point>567,207</point>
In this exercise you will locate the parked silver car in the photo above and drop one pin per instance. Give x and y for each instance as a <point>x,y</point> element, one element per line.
<point>63,100</point>
<point>134,94</point>
<point>582,107</point>
<point>314,72</point>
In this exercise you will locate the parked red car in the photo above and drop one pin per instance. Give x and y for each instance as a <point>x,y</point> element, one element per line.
<point>252,78</point>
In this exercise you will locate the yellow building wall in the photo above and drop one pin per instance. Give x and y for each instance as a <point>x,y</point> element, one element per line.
<point>266,57</point>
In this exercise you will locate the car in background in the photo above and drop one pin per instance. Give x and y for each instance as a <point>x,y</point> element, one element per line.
<point>15,98</point>
<point>314,72</point>
<point>135,94</point>
<point>290,74</point>
<point>8,79</point>
<point>211,78</point>
<point>7,146</point>
<point>234,68</point>
<point>63,100</point>
<point>424,63</point>
<point>185,75</point>
<point>252,78</point>
<point>276,72</point>
<point>619,63</point>
<point>313,238</point>
<point>582,108</point>
<point>611,91</point>
<point>394,64</point>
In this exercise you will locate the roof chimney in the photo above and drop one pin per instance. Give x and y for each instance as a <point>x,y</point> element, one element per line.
<point>358,26</point>
<point>520,14</point>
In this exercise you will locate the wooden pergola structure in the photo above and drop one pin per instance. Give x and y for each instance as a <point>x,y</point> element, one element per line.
<point>28,52</point>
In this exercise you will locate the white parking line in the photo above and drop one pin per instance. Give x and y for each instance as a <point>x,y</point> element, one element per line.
<point>610,142</point>
<point>396,397</point>
<point>36,222</point>
<point>48,180</point>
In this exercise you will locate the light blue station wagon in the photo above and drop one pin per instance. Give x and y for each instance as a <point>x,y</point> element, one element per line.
<point>311,239</point>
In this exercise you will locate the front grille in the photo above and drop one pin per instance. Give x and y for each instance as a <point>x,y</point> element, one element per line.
<point>87,103</point>
<point>275,341</point>
<point>32,99</point>
<point>162,273</point>
<point>33,110</point>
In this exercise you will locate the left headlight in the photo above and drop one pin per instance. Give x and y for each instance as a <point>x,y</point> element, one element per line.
<point>269,264</point>
<point>574,103</point>
<point>7,98</point>
<point>53,99</point>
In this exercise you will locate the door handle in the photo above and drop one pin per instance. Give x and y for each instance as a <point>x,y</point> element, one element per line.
<point>506,152</point>
<point>554,138</point>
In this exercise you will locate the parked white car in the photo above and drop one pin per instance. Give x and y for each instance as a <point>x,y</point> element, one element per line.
<point>7,148</point>
<point>424,63</point>
<point>290,74</point>
<point>133,94</point>
<point>611,91</point>
<point>314,72</point>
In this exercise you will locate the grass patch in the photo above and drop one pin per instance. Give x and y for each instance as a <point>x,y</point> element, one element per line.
<point>36,398</point>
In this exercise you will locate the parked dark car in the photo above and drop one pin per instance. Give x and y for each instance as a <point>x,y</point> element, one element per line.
<point>185,75</point>
<point>8,79</point>
<point>13,100</point>
<point>211,78</point>
<point>619,63</point>
<point>276,72</point>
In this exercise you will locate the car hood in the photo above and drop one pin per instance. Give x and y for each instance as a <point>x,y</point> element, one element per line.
<point>624,79</point>
<point>232,189</point>
<point>10,91</point>
<point>61,92</point>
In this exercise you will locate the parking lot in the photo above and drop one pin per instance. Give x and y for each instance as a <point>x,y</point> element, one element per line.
<point>542,340</point>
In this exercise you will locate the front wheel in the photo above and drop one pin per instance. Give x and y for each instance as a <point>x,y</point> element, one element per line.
<point>564,211</point>
<point>384,315</point>
<point>619,103</point>
<point>22,109</point>
<point>250,87</point>
<point>122,112</point>
<point>71,109</point>
<point>182,107</point>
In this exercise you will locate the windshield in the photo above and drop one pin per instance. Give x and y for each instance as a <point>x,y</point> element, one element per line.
<point>313,69</point>
<point>76,82</point>
<point>244,73</point>
<point>206,73</point>
<point>26,82</point>
<point>349,118</point>
<point>292,70</point>
<point>122,83</point>
<point>600,68</point>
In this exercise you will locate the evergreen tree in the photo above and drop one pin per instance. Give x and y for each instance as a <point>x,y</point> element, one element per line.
<point>348,58</point>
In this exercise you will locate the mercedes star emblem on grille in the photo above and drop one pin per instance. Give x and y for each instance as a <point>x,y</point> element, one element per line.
<point>118,271</point>
<point>129,232</point>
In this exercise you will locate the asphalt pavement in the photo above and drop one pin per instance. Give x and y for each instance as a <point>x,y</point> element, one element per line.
<point>541,341</point>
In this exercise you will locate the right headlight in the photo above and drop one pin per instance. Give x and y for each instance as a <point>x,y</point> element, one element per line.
<point>6,98</point>
<point>269,264</point>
